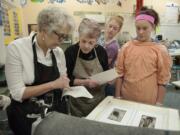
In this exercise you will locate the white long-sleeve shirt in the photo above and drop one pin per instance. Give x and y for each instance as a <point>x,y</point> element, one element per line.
<point>19,67</point>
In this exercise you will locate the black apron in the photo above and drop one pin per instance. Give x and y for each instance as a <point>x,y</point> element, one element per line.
<point>17,112</point>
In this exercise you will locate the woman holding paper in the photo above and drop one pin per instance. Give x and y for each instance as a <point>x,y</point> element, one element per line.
<point>36,70</point>
<point>83,60</point>
<point>143,65</point>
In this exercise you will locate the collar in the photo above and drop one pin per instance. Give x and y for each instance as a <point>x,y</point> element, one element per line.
<point>37,45</point>
<point>110,41</point>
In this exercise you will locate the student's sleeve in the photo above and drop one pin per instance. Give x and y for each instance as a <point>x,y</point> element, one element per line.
<point>164,64</point>
<point>13,71</point>
<point>62,62</point>
<point>120,61</point>
<point>103,58</point>
<point>70,63</point>
<point>112,52</point>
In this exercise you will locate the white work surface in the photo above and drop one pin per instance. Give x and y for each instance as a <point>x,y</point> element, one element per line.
<point>174,52</point>
<point>176,83</point>
<point>128,113</point>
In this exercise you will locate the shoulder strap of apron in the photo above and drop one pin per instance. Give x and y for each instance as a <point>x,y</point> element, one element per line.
<point>35,58</point>
<point>54,62</point>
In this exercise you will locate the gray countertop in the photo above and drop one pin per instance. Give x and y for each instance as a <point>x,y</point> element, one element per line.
<point>60,124</point>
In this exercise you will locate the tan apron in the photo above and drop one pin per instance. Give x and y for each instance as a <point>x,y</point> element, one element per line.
<point>84,69</point>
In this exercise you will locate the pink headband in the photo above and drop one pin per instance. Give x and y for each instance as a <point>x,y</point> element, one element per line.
<point>145,17</point>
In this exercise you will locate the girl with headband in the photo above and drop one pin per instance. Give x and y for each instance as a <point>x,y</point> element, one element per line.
<point>143,65</point>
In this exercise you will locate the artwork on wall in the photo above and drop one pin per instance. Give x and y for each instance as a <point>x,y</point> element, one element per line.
<point>32,27</point>
<point>99,2</point>
<point>5,21</point>
<point>37,1</point>
<point>0,14</point>
<point>56,1</point>
<point>16,24</point>
<point>86,1</point>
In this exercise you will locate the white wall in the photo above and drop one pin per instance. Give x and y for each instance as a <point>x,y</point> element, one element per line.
<point>170,32</point>
<point>110,9</point>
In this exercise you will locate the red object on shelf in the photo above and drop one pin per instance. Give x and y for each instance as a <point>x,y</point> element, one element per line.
<point>139,5</point>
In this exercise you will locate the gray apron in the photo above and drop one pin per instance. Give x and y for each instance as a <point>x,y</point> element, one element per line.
<point>84,69</point>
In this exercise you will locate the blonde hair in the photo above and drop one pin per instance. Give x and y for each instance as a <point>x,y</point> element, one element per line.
<point>119,19</point>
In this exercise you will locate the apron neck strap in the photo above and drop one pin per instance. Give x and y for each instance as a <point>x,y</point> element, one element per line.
<point>54,62</point>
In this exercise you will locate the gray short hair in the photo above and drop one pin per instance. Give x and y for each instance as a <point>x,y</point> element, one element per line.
<point>53,18</point>
<point>89,28</point>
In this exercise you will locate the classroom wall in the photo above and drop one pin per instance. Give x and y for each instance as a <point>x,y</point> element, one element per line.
<point>71,6</point>
<point>31,10</point>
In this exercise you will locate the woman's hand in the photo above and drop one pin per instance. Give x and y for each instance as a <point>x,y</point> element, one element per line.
<point>61,82</point>
<point>91,83</point>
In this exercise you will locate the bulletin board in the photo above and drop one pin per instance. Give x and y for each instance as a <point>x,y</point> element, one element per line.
<point>5,19</point>
<point>11,21</point>
<point>16,23</point>
<point>0,14</point>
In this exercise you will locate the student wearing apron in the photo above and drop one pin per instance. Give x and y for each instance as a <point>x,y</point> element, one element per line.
<point>83,60</point>
<point>144,66</point>
<point>36,70</point>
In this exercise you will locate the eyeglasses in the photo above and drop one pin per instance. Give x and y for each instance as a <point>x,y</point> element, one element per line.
<point>61,36</point>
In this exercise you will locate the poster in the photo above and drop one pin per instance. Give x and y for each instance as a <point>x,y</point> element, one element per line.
<point>0,15</point>
<point>5,20</point>
<point>16,24</point>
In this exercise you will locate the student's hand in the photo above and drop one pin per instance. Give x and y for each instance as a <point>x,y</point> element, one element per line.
<point>91,83</point>
<point>61,82</point>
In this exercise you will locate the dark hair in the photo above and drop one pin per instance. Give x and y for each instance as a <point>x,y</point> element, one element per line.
<point>151,12</point>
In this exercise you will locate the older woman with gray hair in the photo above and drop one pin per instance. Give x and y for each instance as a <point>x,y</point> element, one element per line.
<point>36,70</point>
<point>84,59</point>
